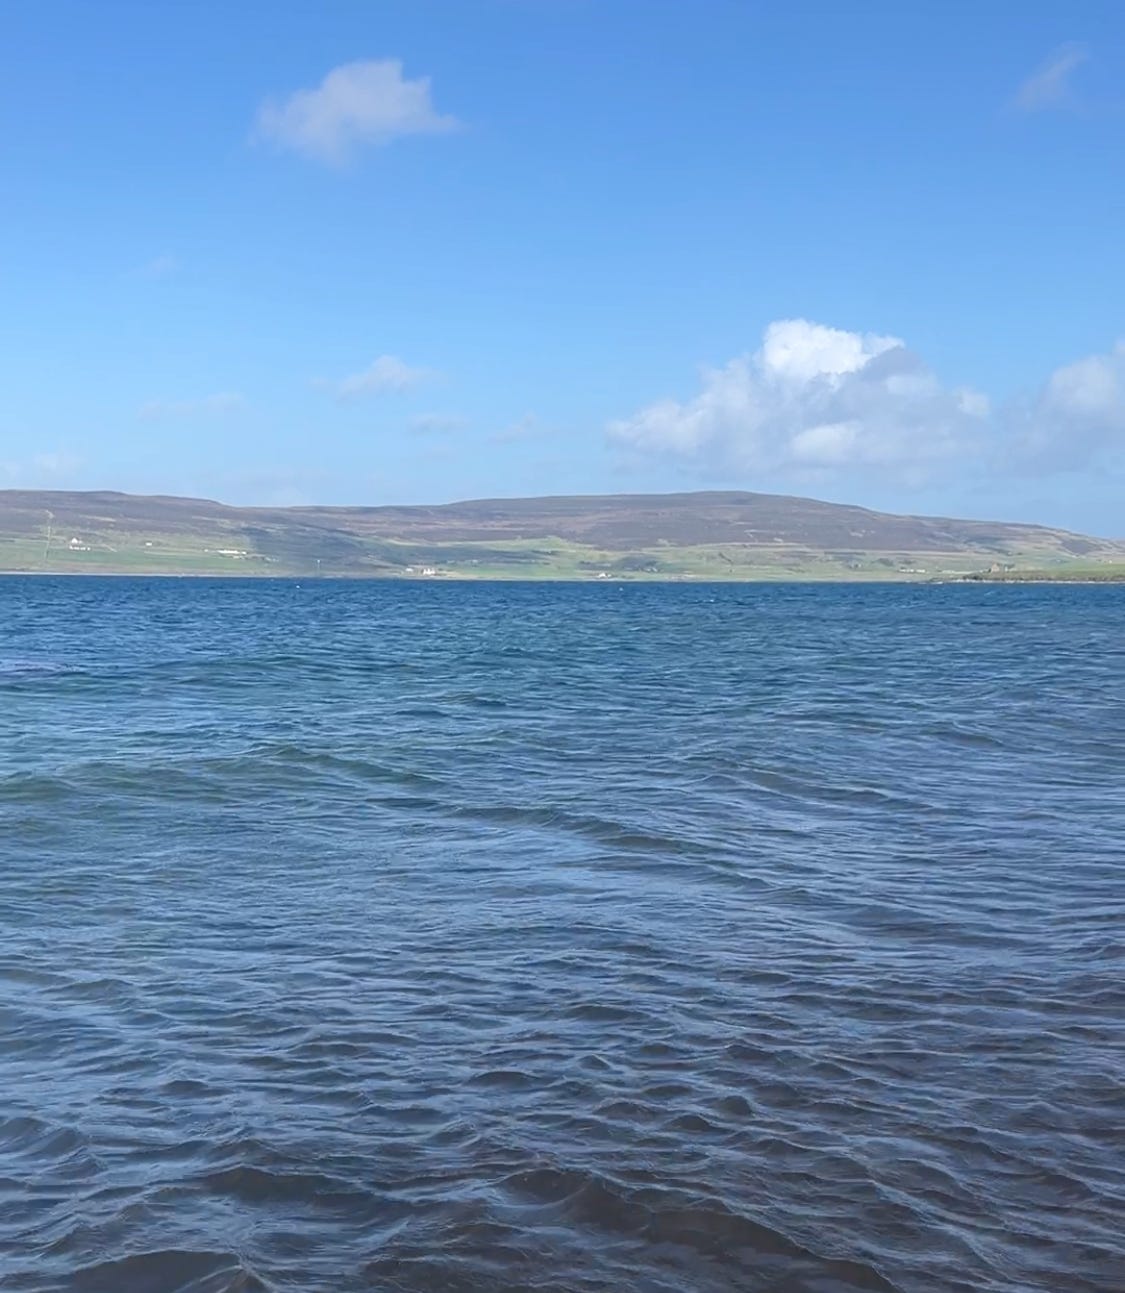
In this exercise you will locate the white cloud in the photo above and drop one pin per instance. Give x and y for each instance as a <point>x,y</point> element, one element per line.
<point>797,349</point>
<point>357,104</point>
<point>821,400</point>
<point>1078,416</point>
<point>384,376</point>
<point>813,397</point>
<point>1050,85</point>
<point>223,402</point>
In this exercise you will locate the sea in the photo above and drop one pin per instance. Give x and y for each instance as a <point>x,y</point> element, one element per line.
<point>563,938</point>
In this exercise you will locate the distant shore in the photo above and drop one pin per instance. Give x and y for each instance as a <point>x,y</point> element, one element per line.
<point>1046,577</point>
<point>702,537</point>
<point>458,577</point>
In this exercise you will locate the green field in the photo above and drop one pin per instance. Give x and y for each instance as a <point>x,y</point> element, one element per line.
<point>542,560</point>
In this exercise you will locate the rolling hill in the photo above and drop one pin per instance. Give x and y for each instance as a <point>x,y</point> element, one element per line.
<point>716,535</point>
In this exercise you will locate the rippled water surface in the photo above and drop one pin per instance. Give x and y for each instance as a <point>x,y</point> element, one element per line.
<point>502,937</point>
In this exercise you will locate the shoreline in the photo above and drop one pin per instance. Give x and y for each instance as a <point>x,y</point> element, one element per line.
<point>1037,580</point>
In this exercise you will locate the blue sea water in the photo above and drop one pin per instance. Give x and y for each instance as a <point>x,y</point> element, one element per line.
<point>466,937</point>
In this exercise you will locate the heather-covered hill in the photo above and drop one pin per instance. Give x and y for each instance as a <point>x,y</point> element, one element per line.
<point>693,535</point>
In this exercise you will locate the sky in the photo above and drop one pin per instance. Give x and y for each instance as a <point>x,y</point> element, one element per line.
<point>413,251</point>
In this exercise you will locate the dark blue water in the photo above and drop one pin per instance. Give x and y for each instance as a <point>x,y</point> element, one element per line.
<point>470,937</point>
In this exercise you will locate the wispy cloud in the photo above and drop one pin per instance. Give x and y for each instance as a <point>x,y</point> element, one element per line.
<point>359,104</point>
<point>222,402</point>
<point>386,375</point>
<point>1049,87</point>
<point>436,423</point>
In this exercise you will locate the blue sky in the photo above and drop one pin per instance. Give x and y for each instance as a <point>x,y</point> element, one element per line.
<point>413,251</point>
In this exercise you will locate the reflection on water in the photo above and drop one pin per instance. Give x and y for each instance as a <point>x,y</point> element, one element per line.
<point>453,937</point>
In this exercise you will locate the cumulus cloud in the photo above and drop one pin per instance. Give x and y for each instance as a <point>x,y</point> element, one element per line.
<point>1050,85</point>
<point>223,402</point>
<point>1078,416</point>
<point>356,105</point>
<point>386,375</point>
<point>812,397</point>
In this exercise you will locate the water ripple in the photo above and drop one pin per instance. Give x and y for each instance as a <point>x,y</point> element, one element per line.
<point>541,938</point>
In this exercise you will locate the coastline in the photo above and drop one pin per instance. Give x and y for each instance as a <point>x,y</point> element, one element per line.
<point>1037,580</point>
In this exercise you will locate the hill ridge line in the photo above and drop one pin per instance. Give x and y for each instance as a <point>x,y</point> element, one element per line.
<point>720,534</point>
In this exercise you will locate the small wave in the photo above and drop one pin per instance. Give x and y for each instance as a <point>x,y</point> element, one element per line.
<point>169,1270</point>
<point>670,1217</point>
<point>258,1185</point>
<point>35,668</point>
<point>40,1141</point>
